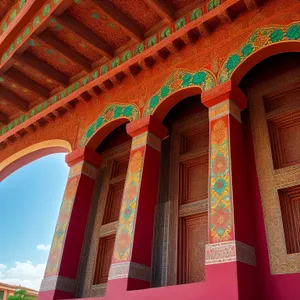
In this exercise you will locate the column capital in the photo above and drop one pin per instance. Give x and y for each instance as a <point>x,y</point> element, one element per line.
<point>225,91</point>
<point>84,154</point>
<point>148,123</point>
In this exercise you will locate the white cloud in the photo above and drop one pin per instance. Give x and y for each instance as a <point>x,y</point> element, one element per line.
<point>2,269</point>
<point>43,247</point>
<point>23,273</point>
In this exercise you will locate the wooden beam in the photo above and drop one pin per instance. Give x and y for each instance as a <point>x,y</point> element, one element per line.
<point>14,99</point>
<point>27,83</point>
<point>251,4</point>
<point>162,9</point>
<point>43,68</point>
<point>86,34</point>
<point>3,118</point>
<point>225,17</point>
<point>127,25</point>
<point>56,44</point>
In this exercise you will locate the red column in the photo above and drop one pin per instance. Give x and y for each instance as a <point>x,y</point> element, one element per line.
<point>131,262</point>
<point>64,257</point>
<point>230,254</point>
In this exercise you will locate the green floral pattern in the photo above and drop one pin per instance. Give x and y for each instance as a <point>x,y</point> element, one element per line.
<point>197,13</point>
<point>178,80</point>
<point>180,23</point>
<point>213,4</point>
<point>152,41</point>
<point>259,39</point>
<point>111,112</point>
<point>166,32</point>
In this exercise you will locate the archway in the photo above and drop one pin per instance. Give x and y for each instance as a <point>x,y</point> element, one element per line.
<point>113,143</point>
<point>184,161</point>
<point>32,153</point>
<point>261,44</point>
<point>178,86</point>
<point>30,201</point>
<point>112,116</point>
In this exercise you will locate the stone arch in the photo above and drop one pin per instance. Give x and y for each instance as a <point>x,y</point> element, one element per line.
<point>31,153</point>
<point>262,43</point>
<point>180,84</point>
<point>111,117</point>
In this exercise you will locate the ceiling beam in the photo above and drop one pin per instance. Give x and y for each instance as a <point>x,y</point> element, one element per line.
<point>251,4</point>
<point>86,34</point>
<point>43,68</point>
<point>58,45</point>
<point>27,83</point>
<point>127,25</point>
<point>14,99</point>
<point>4,118</point>
<point>162,9</point>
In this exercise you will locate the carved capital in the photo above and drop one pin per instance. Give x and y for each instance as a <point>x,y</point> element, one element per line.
<point>84,154</point>
<point>147,124</point>
<point>225,91</point>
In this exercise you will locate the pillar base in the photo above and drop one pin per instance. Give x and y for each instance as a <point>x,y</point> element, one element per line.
<point>56,287</point>
<point>129,275</point>
<point>234,264</point>
<point>54,295</point>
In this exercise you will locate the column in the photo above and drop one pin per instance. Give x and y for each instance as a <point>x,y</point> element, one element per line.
<point>230,254</point>
<point>64,257</point>
<point>5,296</point>
<point>131,262</point>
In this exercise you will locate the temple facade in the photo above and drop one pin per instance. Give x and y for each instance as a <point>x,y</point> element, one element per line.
<point>181,124</point>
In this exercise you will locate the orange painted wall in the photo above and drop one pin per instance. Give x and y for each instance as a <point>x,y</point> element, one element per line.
<point>209,53</point>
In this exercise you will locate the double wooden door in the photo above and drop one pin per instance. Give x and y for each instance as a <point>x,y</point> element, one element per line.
<point>107,204</point>
<point>182,221</point>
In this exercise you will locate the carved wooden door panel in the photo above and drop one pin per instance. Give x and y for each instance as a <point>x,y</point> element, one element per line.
<point>274,106</point>
<point>188,192</point>
<point>114,169</point>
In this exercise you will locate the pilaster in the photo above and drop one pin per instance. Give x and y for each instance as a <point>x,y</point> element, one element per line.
<point>131,262</point>
<point>231,249</point>
<point>64,257</point>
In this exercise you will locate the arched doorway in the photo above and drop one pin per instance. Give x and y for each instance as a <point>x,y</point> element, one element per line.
<point>113,143</point>
<point>181,215</point>
<point>272,123</point>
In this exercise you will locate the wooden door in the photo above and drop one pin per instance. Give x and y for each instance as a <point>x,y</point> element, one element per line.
<point>188,192</point>
<point>107,209</point>
<point>274,105</point>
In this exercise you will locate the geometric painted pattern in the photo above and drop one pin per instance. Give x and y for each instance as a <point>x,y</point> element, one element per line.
<point>220,202</point>
<point>224,108</point>
<point>61,228</point>
<point>65,212</point>
<point>130,270</point>
<point>146,138</point>
<point>111,112</point>
<point>230,251</point>
<point>124,238</point>
<point>260,38</point>
<point>179,80</point>
<point>59,283</point>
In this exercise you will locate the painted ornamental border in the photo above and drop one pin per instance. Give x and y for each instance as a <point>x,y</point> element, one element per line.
<point>111,68</point>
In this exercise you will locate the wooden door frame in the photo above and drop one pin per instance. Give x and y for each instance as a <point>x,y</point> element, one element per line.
<point>170,245</point>
<point>95,229</point>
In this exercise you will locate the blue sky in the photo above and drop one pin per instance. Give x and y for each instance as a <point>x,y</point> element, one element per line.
<point>30,199</point>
